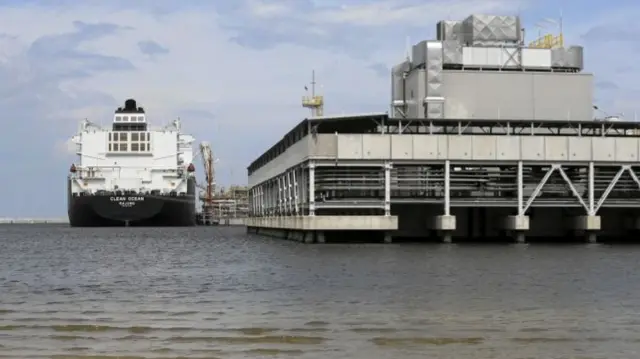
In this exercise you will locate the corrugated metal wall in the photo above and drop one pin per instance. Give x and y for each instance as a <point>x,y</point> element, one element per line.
<point>512,95</point>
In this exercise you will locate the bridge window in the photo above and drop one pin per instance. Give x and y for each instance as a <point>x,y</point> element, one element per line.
<point>131,142</point>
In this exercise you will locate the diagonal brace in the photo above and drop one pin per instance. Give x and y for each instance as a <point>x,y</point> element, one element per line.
<point>610,187</point>
<point>573,188</point>
<point>538,189</point>
<point>634,176</point>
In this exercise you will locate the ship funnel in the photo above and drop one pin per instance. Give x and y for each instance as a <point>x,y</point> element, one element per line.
<point>130,105</point>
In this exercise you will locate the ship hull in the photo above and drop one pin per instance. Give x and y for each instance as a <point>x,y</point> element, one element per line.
<point>138,210</point>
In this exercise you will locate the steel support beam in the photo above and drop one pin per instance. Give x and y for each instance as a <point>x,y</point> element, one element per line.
<point>447,188</point>
<point>296,190</point>
<point>609,188</point>
<point>387,189</point>
<point>520,176</point>
<point>312,188</point>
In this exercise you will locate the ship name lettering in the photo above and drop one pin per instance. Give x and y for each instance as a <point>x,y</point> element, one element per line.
<point>129,199</point>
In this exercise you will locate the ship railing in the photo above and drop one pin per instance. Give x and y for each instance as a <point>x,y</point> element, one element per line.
<point>166,168</point>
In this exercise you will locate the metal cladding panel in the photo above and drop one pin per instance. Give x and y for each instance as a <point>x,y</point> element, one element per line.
<point>484,147</point>
<point>349,146</point>
<point>433,101</point>
<point>605,149</point>
<point>518,95</point>
<point>579,148</point>
<point>434,69</point>
<point>568,58</point>
<point>532,148</point>
<point>487,95</point>
<point>396,79</point>
<point>487,29</point>
<point>507,148</point>
<point>491,57</point>
<point>425,147</point>
<point>576,57</point>
<point>449,30</point>
<point>402,147</point>
<point>460,147</point>
<point>419,54</point>
<point>416,92</point>
<point>563,96</point>
<point>627,149</point>
<point>292,156</point>
<point>375,147</point>
<point>556,149</point>
<point>536,58</point>
<point>452,52</point>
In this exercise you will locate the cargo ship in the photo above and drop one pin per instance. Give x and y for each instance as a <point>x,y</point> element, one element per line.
<point>131,175</point>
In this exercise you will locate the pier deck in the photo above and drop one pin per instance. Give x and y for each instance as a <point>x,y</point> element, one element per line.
<point>449,178</point>
<point>34,221</point>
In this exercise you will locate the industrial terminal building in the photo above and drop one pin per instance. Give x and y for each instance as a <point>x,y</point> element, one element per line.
<point>487,137</point>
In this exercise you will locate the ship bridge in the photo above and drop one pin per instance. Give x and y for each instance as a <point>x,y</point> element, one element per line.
<point>130,117</point>
<point>129,131</point>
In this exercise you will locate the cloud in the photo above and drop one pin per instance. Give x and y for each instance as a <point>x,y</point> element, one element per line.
<point>607,85</point>
<point>152,48</point>
<point>233,71</point>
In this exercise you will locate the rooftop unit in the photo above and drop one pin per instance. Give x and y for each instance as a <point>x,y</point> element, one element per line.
<point>480,68</point>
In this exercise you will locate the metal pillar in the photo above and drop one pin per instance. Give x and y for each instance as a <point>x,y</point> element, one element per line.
<point>296,197</point>
<point>591,189</point>
<point>312,188</point>
<point>521,209</point>
<point>447,198</point>
<point>520,179</point>
<point>289,194</point>
<point>447,188</point>
<point>387,188</point>
<point>280,195</point>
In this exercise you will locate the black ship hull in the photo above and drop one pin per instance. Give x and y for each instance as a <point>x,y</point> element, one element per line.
<point>135,210</point>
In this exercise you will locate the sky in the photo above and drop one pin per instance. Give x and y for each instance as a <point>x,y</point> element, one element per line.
<point>234,71</point>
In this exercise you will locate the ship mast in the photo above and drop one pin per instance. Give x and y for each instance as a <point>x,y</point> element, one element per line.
<point>314,102</point>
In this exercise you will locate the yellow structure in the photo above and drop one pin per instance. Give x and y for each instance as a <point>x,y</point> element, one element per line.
<point>548,41</point>
<point>314,102</point>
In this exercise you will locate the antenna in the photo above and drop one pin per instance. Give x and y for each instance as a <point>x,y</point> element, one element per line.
<point>313,102</point>
<point>561,30</point>
<point>407,48</point>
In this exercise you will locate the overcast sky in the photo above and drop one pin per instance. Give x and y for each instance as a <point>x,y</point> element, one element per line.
<point>235,70</point>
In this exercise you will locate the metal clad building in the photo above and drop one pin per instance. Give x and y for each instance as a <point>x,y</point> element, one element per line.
<point>487,138</point>
<point>480,68</point>
<point>517,95</point>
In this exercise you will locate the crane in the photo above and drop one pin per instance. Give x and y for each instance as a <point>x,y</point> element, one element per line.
<point>209,172</point>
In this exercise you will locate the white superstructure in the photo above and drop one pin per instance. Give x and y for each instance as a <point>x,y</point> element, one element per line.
<point>130,156</point>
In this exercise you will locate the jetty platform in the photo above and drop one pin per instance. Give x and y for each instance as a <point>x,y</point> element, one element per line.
<point>7,220</point>
<point>384,178</point>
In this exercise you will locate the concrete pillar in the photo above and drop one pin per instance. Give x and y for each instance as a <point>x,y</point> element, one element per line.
<point>589,225</point>
<point>320,237</point>
<point>308,237</point>
<point>446,224</point>
<point>388,238</point>
<point>518,225</point>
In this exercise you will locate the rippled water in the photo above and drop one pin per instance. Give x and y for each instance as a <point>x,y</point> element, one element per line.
<point>218,293</point>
